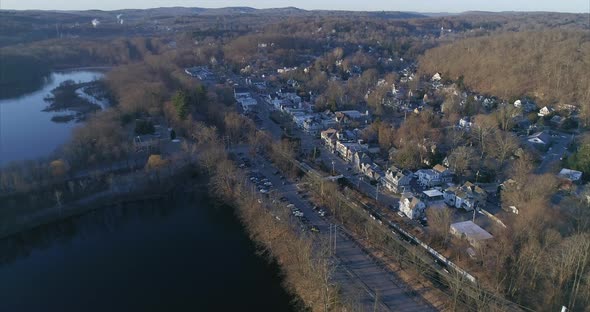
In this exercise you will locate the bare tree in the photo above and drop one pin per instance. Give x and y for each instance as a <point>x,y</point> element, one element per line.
<point>461,159</point>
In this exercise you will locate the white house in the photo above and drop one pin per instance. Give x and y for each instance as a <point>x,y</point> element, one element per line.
<point>465,123</point>
<point>396,180</point>
<point>438,175</point>
<point>411,206</point>
<point>545,111</point>
<point>427,177</point>
<point>436,77</point>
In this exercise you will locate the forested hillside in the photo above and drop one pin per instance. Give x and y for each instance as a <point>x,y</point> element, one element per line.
<point>551,66</point>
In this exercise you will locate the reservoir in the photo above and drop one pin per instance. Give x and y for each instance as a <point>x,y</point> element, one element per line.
<point>26,132</point>
<point>186,254</point>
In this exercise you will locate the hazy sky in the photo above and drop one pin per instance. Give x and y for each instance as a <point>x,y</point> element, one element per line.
<point>370,5</point>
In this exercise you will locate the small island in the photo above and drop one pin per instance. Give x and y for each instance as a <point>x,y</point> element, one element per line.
<point>77,99</point>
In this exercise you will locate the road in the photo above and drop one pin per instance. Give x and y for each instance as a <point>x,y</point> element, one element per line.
<point>357,273</point>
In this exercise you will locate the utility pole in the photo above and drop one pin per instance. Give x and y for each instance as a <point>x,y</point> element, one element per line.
<point>333,168</point>
<point>330,238</point>
<point>335,236</point>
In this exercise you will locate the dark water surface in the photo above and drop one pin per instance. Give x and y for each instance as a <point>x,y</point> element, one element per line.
<point>181,255</point>
<point>26,132</point>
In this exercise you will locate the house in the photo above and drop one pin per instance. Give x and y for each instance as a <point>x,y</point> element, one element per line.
<point>372,171</point>
<point>329,138</point>
<point>468,196</point>
<point>438,175</point>
<point>470,231</point>
<point>436,77</point>
<point>346,117</point>
<point>545,111</point>
<point>445,175</point>
<point>427,177</point>
<point>311,126</point>
<point>396,180</point>
<point>542,138</point>
<point>241,92</point>
<point>359,159</point>
<point>465,123</point>
<point>557,121</point>
<point>411,206</point>
<point>247,103</point>
<point>573,176</point>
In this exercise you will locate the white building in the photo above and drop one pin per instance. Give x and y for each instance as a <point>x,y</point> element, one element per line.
<point>574,176</point>
<point>396,180</point>
<point>470,231</point>
<point>411,206</point>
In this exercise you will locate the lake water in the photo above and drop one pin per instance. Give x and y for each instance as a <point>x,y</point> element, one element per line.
<point>26,132</point>
<point>181,255</point>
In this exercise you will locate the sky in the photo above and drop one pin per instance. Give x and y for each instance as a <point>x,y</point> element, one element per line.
<point>452,6</point>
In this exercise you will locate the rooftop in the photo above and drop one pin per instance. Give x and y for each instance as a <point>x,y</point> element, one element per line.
<point>433,193</point>
<point>471,230</point>
<point>572,175</point>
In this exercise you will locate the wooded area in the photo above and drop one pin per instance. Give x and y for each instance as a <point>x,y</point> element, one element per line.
<point>551,66</point>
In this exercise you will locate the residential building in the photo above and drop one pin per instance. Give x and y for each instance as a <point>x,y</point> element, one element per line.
<point>397,180</point>
<point>372,171</point>
<point>545,111</point>
<point>411,206</point>
<point>438,175</point>
<point>346,117</point>
<point>465,123</point>
<point>468,196</point>
<point>359,159</point>
<point>541,138</point>
<point>241,92</point>
<point>329,138</point>
<point>573,176</point>
<point>445,175</point>
<point>470,231</point>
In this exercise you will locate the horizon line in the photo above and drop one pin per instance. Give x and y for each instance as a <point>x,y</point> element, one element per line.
<point>293,7</point>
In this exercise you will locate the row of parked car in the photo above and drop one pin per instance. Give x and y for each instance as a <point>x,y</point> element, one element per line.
<point>262,183</point>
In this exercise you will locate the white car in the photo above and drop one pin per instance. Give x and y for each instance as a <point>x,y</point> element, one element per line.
<point>401,214</point>
<point>264,191</point>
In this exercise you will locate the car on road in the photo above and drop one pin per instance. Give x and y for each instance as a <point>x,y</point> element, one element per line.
<point>314,229</point>
<point>401,214</point>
